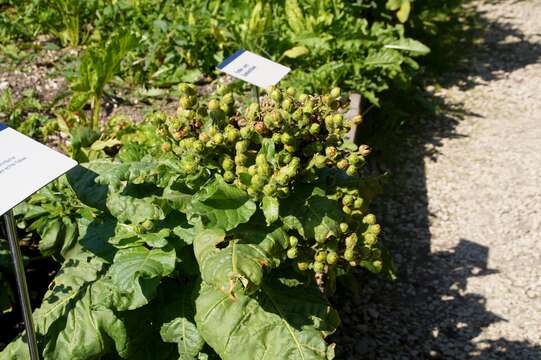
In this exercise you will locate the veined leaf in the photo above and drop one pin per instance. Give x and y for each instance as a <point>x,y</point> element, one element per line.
<point>134,210</point>
<point>294,16</point>
<point>296,52</point>
<point>74,320</point>
<point>236,267</point>
<point>312,213</point>
<point>271,209</point>
<point>137,272</point>
<point>222,205</point>
<point>182,330</point>
<point>412,45</point>
<point>276,324</point>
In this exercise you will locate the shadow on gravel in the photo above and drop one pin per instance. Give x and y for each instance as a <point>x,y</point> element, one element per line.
<point>426,313</point>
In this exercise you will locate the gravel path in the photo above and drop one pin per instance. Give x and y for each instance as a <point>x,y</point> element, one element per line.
<point>467,236</point>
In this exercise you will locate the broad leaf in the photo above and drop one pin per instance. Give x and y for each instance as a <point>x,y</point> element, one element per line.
<point>312,213</point>
<point>182,330</point>
<point>222,205</point>
<point>234,267</point>
<point>74,320</point>
<point>271,209</point>
<point>412,45</point>
<point>296,52</point>
<point>137,272</point>
<point>280,323</point>
<point>132,210</point>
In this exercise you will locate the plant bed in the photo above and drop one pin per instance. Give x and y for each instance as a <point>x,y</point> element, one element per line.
<point>222,234</point>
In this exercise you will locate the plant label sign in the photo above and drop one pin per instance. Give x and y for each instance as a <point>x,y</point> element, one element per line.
<point>26,166</point>
<point>253,68</point>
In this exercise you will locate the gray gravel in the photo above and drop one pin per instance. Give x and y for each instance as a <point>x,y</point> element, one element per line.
<point>464,222</point>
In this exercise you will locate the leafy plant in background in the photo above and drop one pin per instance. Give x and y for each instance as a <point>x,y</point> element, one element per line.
<point>221,241</point>
<point>97,67</point>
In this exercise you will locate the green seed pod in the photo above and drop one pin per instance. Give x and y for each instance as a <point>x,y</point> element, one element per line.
<point>293,241</point>
<point>346,210</point>
<point>374,229</point>
<point>329,122</point>
<point>242,146</point>
<point>269,189</point>
<point>228,99</point>
<point>314,129</point>
<point>212,130</point>
<point>214,105</point>
<point>241,159</point>
<point>369,219</point>
<point>252,170</point>
<point>344,227</point>
<point>264,170</point>
<point>276,138</point>
<point>331,151</point>
<point>258,181</point>
<point>327,100</point>
<point>358,203</point>
<point>287,105</point>
<point>378,265</point>
<point>282,179</point>
<point>320,256</point>
<point>290,148</point>
<point>229,176</point>
<point>147,225</point>
<point>319,161</point>
<point>335,92</point>
<point>351,241</point>
<point>187,102</point>
<point>291,91</point>
<point>342,164</point>
<point>338,120</point>
<point>252,191</point>
<point>348,200</point>
<point>332,258</point>
<point>292,253</point>
<point>286,139</point>
<point>302,266</point>
<point>303,97</point>
<point>187,89</point>
<point>354,159</point>
<point>308,107</point>
<point>231,135</point>
<point>276,95</point>
<point>369,238</point>
<point>286,158</point>
<point>357,120</point>
<point>349,254</point>
<point>241,169</point>
<point>218,139</point>
<point>246,132</point>
<point>228,164</point>
<point>198,146</point>
<point>319,267</point>
<point>351,170</point>
<point>261,159</point>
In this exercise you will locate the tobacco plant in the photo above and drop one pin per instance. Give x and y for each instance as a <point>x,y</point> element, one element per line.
<point>223,236</point>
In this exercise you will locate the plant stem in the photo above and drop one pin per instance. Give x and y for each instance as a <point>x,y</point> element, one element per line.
<point>95,112</point>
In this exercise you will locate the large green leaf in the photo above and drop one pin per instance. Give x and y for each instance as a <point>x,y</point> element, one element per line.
<point>222,205</point>
<point>155,329</point>
<point>134,210</point>
<point>280,323</point>
<point>82,179</point>
<point>75,320</point>
<point>236,266</point>
<point>416,47</point>
<point>137,272</point>
<point>312,213</point>
<point>182,330</point>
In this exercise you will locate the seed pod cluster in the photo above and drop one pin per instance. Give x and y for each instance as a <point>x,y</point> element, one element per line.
<point>356,242</point>
<point>266,149</point>
<point>306,134</point>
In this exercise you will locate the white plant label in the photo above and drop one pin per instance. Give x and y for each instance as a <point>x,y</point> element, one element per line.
<point>253,68</point>
<point>25,167</point>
